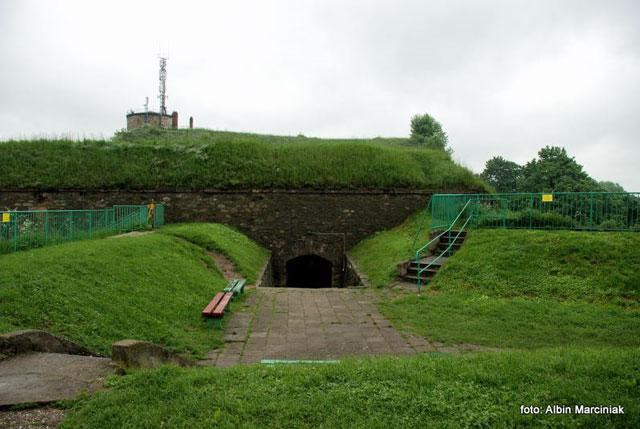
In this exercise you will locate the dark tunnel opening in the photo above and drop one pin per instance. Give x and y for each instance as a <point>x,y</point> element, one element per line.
<point>310,271</point>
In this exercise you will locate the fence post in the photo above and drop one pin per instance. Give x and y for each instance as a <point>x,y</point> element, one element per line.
<point>504,211</point>
<point>531,211</point>
<point>590,210</point>
<point>15,233</point>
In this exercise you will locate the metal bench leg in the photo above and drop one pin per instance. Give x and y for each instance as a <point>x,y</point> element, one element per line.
<point>210,322</point>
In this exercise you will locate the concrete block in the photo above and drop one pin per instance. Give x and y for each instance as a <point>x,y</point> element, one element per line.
<point>143,354</point>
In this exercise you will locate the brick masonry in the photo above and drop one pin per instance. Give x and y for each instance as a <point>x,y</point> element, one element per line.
<point>290,223</point>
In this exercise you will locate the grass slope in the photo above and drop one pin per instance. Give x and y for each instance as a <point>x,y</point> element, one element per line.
<point>518,289</point>
<point>513,322</point>
<point>482,390</point>
<point>150,287</point>
<point>568,265</point>
<point>188,159</point>
<point>529,289</point>
<point>378,255</point>
<point>247,257</point>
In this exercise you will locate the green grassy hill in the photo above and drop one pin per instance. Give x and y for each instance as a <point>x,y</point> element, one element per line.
<point>601,267</point>
<point>518,289</point>
<point>199,159</point>
<point>149,287</point>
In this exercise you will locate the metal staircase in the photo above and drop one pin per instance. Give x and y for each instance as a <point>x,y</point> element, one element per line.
<point>430,257</point>
<point>446,246</point>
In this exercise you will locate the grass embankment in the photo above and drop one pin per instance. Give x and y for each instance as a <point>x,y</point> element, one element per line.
<point>248,258</point>
<point>199,159</point>
<point>378,255</point>
<point>482,390</point>
<point>523,289</point>
<point>150,287</point>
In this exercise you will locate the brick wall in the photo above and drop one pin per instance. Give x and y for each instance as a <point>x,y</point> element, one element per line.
<point>137,120</point>
<point>290,223</point>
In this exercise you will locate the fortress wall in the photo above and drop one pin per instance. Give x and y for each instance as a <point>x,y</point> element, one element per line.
<point>290,223</point>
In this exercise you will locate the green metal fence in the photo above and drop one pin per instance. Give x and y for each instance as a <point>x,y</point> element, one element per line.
<point>594,211</point>
<point>36,228</point>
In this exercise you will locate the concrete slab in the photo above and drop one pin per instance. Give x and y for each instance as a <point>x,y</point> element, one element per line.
<point>48,377</point>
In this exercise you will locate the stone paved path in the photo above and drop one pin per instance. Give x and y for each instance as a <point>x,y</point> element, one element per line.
<point>292,323</point>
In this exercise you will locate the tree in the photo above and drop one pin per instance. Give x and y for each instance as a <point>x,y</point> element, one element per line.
<point>502,174</point>
<point>427,131</point>
<point>611,186</point>
<point>554,170</point>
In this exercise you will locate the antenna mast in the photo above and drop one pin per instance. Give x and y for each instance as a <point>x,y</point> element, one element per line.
<point>163,86</point>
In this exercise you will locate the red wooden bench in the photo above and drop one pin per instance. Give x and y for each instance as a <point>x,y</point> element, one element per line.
<point>218,304</point>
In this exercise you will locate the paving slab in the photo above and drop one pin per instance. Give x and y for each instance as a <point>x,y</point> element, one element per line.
<point>319,324</point>
<point>297,323</point>
<point>48,377</point>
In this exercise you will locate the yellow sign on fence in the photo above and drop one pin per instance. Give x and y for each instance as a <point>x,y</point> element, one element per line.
<point>547,198</point>
<point>6,217</point>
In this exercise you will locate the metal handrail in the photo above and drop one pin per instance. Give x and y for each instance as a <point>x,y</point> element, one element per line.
<point>448,229</point>
<point>432,262</point>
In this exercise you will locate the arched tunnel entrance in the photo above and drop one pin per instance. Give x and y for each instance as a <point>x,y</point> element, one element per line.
<point>311,271</point>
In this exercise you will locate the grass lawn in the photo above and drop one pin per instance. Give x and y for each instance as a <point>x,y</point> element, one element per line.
<point>150,287</point>
<point>513,322</point>
<point>481,390</point>
<point>201,159</point>
<point>517,288</point>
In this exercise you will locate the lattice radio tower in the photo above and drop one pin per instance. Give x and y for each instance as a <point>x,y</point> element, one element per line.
<point>163,86</point>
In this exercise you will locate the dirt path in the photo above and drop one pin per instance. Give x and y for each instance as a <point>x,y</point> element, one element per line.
<point>225,266</point>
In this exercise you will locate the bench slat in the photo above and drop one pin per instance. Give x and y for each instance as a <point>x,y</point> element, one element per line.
<point>224,302</point>
<point>231,285</point>
<point>208,310</point>
<point>239,287</point>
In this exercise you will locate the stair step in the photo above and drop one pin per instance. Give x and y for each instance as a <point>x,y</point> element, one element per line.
<point>432,269</point>
<point>452,250</point>
<point>415,278</point>
<point>454,233</point>
<point>430,259</point>
<point>448,239</point>
<point>445,245</point>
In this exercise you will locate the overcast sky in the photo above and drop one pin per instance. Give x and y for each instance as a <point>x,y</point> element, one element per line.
<point>503,77</point>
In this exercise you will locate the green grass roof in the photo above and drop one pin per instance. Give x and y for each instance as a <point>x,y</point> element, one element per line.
<point>202,159</point>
